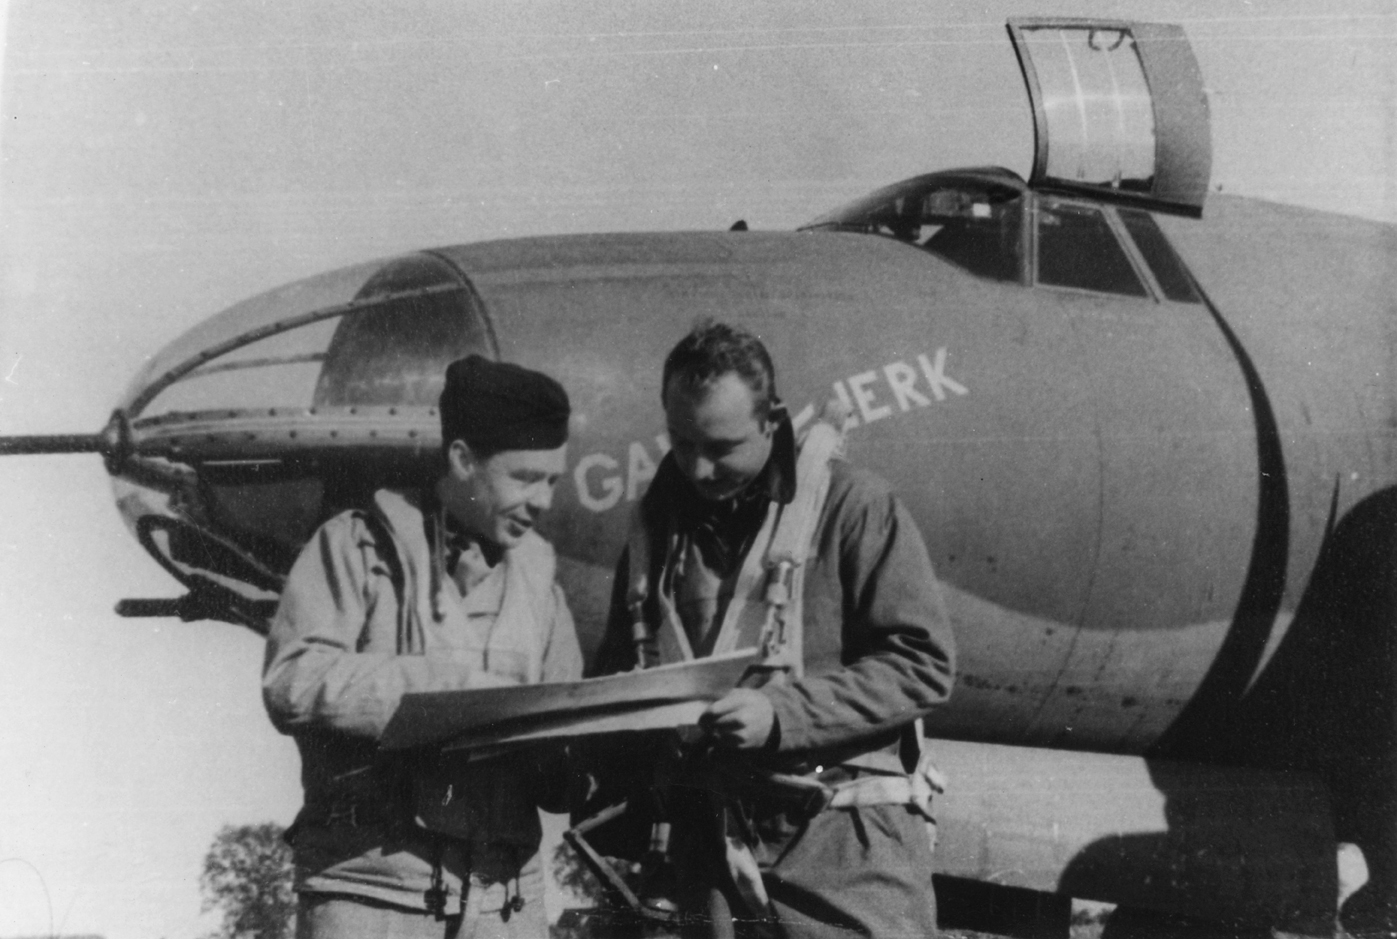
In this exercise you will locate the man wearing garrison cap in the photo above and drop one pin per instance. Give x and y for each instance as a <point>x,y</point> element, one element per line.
<point>442,589</point>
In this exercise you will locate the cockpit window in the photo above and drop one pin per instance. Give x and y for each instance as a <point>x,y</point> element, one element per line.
<point>1168,270</point>
<point>1077,248</point>
<point>985,221</point>
<point>973,223</point>
<point>984,236</point>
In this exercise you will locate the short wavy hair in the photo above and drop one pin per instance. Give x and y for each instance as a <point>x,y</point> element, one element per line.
<point>712,350</point>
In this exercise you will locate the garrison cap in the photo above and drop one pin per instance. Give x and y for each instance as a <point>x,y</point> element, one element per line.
<point>496,406</point>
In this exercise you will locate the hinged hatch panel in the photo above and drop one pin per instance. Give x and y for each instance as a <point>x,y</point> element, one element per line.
<point>1119,111</point>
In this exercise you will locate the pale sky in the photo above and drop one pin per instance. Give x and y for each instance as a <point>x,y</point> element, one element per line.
<point>161,160</point>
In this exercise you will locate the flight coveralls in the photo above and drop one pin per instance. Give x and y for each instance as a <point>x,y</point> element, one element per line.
<point>878,654</point>
<point>368,615</point>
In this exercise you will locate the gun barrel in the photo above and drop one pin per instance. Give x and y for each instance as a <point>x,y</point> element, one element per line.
<point>53,443</point>
<point>152,607</point>
<point>112,441</point>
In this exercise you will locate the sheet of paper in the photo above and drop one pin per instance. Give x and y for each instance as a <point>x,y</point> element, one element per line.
<point>514,734</point>
<point>628,701</point>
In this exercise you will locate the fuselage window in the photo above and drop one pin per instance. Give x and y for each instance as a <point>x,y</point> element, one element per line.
<point>1077,248</point>
<point>1159,255</point>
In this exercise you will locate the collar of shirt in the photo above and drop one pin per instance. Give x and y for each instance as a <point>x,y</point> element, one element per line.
<point>456,542</point>
<point>723,531</point>
<point>464,550</point>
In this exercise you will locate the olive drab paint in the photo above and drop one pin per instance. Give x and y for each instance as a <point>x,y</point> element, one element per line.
<point>603,481</point>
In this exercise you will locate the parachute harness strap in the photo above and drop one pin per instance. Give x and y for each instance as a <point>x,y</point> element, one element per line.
<point>782,647</point>
<point>638,561</point>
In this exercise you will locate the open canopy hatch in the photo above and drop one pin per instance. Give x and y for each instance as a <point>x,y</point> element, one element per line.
<point>1119,111</point>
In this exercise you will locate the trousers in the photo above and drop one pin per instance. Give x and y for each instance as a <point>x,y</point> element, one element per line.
<point>844,873</point>
<point>337,916</point>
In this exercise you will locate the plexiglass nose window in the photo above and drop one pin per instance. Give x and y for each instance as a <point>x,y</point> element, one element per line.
<point>389,346</point>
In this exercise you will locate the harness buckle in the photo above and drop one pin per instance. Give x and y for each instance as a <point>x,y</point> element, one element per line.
<point>775,641</point>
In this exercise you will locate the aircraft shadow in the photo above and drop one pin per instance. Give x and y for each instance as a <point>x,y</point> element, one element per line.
<point>1324,704</point>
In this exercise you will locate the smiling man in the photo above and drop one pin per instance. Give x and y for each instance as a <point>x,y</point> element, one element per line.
<point>443,589</point>
<point>866,650</point>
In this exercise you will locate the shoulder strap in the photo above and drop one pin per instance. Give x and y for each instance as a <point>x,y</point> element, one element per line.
<point>387,549</point>
<point>822,442</point>
<point>638,591</point>
<point>403,527</point>
<point>783,648</point>
<point>670,642</point>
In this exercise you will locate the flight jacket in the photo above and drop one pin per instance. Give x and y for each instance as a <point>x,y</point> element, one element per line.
<point>878,648</point>
<point>358,627</point>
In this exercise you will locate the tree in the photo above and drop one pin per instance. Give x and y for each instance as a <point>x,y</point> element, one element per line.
<point>248,872</point>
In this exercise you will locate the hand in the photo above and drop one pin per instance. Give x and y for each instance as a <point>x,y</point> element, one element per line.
<point>742,719</point>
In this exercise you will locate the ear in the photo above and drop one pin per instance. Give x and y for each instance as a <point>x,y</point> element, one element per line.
<point>770,423</point>
<point>775,413</point>
<point>460,461</point>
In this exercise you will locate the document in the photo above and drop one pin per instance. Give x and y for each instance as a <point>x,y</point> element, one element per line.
<point>650,699</point>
